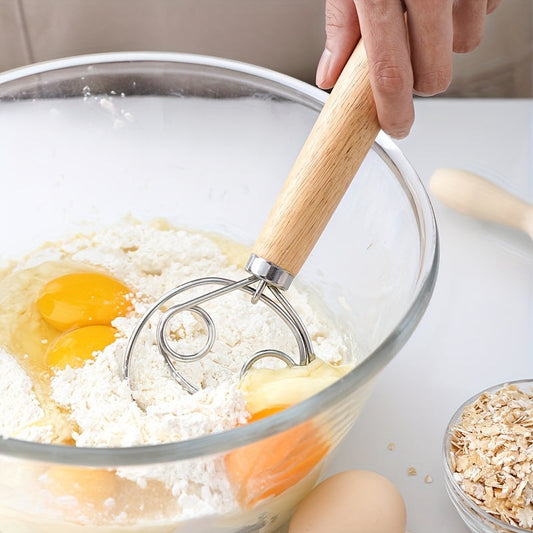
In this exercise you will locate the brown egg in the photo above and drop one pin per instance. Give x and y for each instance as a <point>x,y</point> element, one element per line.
<point>356,501</point>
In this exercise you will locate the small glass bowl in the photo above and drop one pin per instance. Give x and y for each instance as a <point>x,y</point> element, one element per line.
<point>477,520</point>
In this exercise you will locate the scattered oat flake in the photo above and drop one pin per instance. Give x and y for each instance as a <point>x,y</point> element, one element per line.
<point>390,446</point>
<point>428,479</point>
<point>491,454</point>
<point>411,471</point>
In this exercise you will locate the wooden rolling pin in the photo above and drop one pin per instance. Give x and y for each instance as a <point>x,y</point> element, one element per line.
<point>473,195</point>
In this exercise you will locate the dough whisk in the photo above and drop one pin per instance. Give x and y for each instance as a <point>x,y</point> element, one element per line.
<point>339,140</point>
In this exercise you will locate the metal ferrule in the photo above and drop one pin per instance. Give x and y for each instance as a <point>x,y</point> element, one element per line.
<point>269,272</point>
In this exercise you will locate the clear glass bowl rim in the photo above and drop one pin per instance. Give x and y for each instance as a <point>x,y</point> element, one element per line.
<point>455,492</point>
<point>327,398</point>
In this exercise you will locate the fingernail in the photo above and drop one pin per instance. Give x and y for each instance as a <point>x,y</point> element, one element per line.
<point>322,70</point>
<point>402,134</point>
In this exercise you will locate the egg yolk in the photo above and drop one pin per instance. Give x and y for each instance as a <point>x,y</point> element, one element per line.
<point>83,299</point>
<point>86,485</point>
<point>273,465</point>
<point>75,347</point>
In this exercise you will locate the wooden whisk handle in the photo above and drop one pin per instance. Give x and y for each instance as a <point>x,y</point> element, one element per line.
<point>339,141</point>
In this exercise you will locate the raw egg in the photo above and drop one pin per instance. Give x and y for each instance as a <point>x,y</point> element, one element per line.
<point>75,347</point>
<point>272,465</point>
<point>88,486</point>
<point>83,299</point>
<point>269,467</point>
<point>355,501</point>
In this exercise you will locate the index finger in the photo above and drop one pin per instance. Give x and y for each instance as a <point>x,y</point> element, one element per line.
<point>384,33</point>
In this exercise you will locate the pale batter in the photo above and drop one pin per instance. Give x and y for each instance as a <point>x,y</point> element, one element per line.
<point>93,405</point>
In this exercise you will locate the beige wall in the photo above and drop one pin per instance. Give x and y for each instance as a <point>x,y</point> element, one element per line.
<point>285,35</point>
<point>503,64</point>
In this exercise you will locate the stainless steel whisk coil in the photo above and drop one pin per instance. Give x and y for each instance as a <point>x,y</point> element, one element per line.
<point>277,303</point>
<point>333,152</point>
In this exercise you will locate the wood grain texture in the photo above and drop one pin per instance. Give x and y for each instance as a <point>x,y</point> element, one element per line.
<point>473,195</point>
<point>339,141</point>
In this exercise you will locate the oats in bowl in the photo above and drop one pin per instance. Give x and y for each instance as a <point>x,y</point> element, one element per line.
<point>489,457</point>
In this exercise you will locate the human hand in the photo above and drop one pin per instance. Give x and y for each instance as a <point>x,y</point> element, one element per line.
<point>409,47</point>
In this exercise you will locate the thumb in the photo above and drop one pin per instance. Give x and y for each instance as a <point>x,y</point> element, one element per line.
<point>342,34</point>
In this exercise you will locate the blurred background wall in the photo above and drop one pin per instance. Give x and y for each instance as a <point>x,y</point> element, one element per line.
<point>285,35</point>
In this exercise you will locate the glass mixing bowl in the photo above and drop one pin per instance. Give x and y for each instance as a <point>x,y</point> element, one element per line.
<point>204,143</point>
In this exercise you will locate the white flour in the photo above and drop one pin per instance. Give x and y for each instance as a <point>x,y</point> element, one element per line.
<point>151,260</point>
<point>18,416</point>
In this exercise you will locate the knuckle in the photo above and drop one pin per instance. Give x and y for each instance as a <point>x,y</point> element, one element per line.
<point>373,5</point>
<point>433,81</point>
<point>336,18</point>
<point>390,78</point>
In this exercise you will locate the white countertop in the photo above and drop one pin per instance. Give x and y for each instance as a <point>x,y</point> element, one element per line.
<point>478,328</point>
